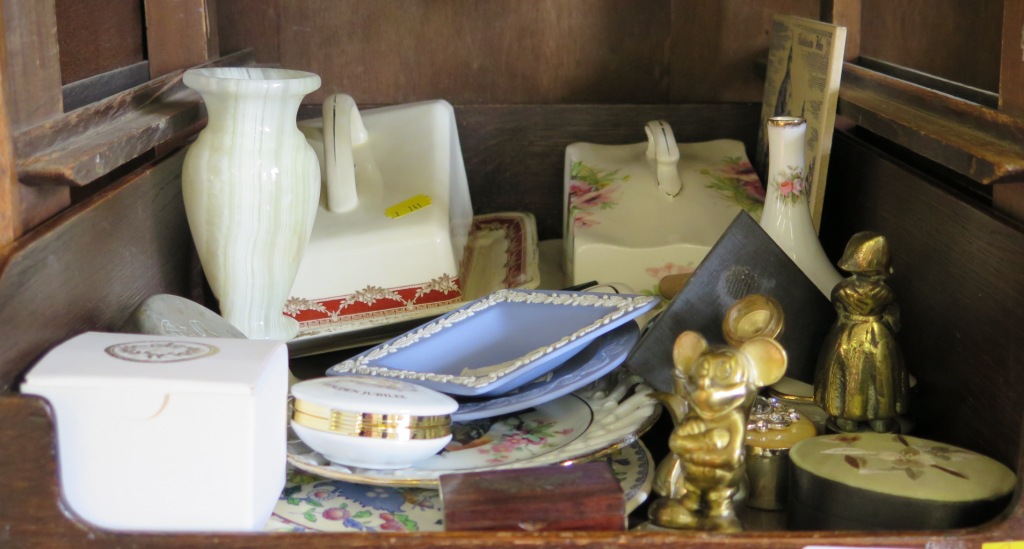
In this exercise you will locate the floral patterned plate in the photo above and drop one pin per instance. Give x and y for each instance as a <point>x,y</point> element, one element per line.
<point>310,503</point>
<point>501,252</point>
<point>560,431</point>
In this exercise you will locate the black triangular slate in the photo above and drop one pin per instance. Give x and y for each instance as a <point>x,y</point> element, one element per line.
<point>745,260</point>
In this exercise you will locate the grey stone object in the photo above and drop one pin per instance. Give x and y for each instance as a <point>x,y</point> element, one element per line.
<point>171,315</point>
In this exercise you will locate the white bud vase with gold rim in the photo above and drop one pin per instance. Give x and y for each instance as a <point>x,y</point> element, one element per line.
<point>786,216</point>
<point>251,186</point>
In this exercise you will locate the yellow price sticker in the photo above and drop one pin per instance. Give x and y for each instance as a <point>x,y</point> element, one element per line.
<point>408,206</point>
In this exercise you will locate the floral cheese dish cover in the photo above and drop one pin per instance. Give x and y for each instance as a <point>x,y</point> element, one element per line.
<point>621,224</point>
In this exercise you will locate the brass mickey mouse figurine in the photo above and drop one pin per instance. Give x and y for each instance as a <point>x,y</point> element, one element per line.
<point>699,479</point>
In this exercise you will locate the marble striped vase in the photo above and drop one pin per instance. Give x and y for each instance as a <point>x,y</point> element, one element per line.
<point>251,186</point>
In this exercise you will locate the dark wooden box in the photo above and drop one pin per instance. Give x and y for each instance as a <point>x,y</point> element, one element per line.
<point>584,496</point>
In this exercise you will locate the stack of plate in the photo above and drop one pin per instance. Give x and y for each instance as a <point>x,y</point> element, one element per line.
<point>536,375</point>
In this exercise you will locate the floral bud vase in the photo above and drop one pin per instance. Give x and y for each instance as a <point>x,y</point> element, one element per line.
<point>251,186</point>
<point>786,216</point>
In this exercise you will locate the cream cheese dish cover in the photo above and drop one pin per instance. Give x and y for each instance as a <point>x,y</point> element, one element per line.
<point>396,211</point>
<point>638,212</point>
<point>371,422</point>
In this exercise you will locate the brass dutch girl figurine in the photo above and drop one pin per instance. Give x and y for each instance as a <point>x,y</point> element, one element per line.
<point>860,376</point>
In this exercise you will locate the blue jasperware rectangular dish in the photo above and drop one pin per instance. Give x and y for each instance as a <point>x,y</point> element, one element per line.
<point>499,342</point>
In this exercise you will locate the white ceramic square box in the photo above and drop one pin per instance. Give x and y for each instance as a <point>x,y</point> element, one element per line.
<point>198,424</point>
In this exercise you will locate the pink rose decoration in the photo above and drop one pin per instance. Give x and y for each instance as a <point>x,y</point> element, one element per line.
<point>743,170</point>
<point>754,189</point>
<point>798,185</point>
<point>668,269</point>
<point>583,220</point>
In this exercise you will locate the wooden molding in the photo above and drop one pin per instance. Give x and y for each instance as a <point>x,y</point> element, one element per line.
<point>8,175</point>
<point>101,86</point>
<point>88,143</point>
<point>981,143</point>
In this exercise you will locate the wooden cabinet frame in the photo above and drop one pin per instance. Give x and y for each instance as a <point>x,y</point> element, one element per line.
<point>86,266</point>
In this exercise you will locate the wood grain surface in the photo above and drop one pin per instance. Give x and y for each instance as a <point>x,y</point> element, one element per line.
<point>250,24</point>
<point>1009,197</point>
<point>958,40</point>
<point>32,65</point>
<point>88,268</point>
<point>584,496</point>
<point>31,79</point>
<point>469,51</point>
<point>98,36</point>
<point>1011,55</point>
<point>545,51</point>
<point>845,13</point>
<point>716,46</point>
<point>596,51</point>
<point>180,34</point>
<point>981,143</point>
<point>9,218</point>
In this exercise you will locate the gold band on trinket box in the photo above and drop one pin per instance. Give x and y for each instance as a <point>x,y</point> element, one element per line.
<point>368,425</point>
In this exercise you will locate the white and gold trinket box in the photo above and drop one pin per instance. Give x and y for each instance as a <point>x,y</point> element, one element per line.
<point>371,422</point>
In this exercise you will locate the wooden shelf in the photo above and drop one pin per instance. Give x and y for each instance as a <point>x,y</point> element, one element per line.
<point>108,253</point>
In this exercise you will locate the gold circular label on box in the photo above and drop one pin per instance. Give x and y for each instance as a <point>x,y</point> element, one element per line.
<point>160,351</point>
